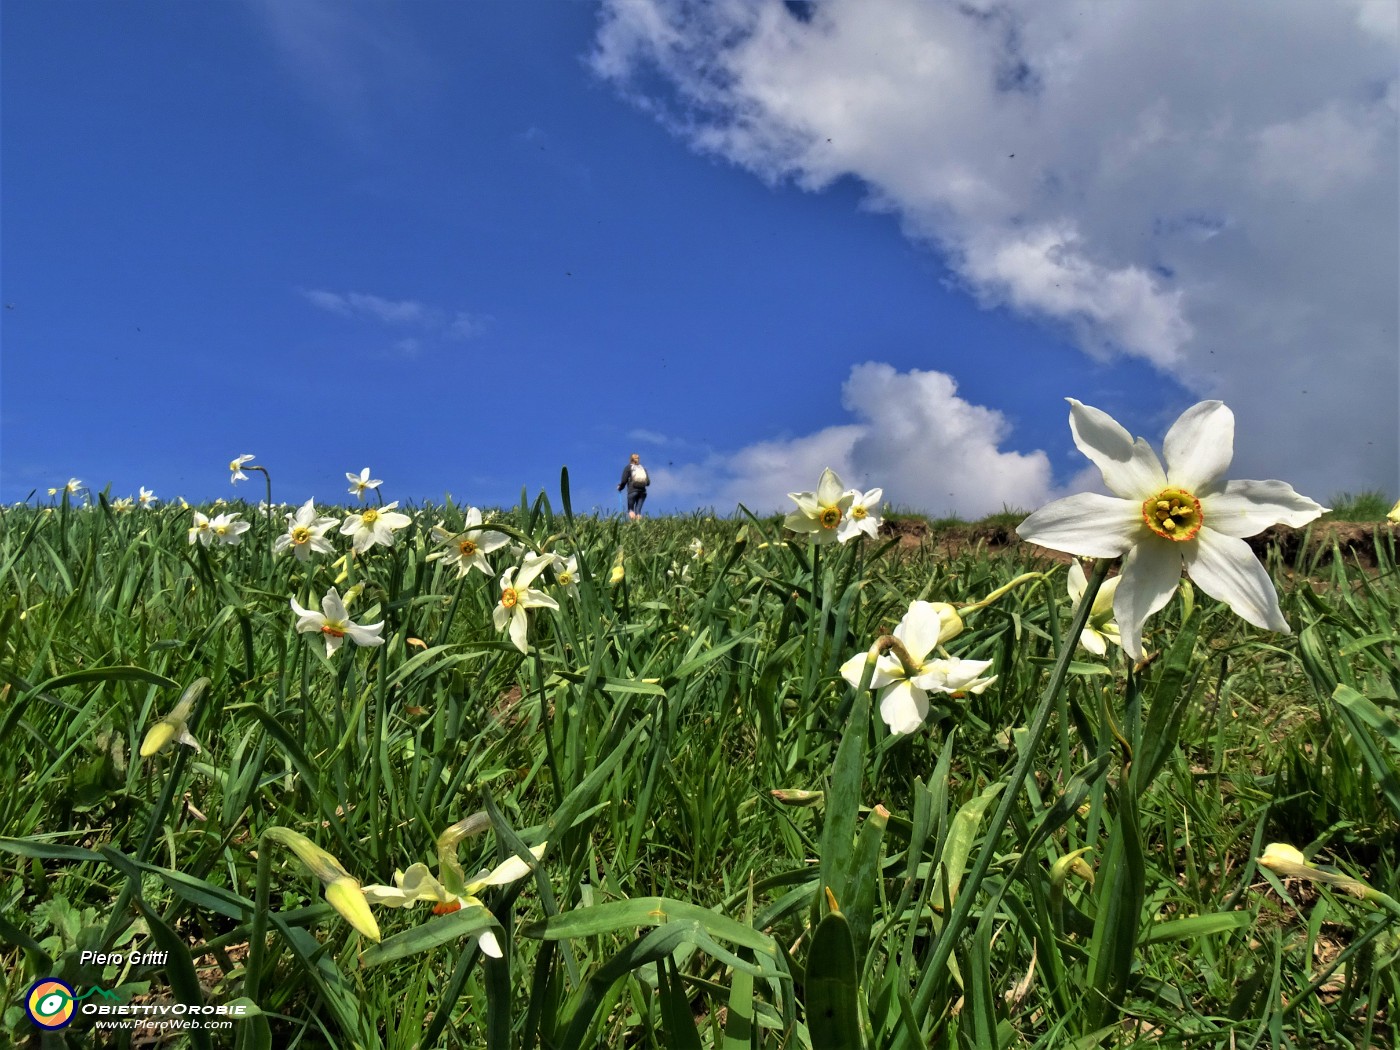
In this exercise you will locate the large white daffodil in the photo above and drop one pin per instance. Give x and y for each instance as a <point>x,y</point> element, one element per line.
<point>374,526</point>
<point>516,597</point>
<point>1161,519</point>
<point>306,533</point>
<point>467,549</point>
<point>820,514</point>
<point>904,684</point>
<point>334,623</point>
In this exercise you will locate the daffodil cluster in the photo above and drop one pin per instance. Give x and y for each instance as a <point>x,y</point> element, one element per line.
<point>834,513</point>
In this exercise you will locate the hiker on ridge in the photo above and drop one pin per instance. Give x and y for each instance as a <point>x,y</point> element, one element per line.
<point>635,480</point>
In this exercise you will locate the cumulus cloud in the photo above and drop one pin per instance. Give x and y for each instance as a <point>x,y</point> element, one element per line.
<point>1209,187</point>
<point>913,436</point>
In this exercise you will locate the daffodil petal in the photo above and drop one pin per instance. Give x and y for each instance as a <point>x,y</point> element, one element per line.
<point>903,707</point>
<point>1129,466</point>
<point>1245,508</point>
<point>519,629</point>
<point>920,629</point>
<point>830,491</point>
<point>1093,641</point>
<point>489,945</point>
<point>1088,524</point>
<point>1225,568</point>
<point>1199,446</point>
<point>1150,577</point>
<point>1077,582</point>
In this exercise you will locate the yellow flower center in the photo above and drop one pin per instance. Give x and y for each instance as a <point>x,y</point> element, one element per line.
<point>467,548</point>
<point>859,512</point>
<point>1173,514</point>
<point>334,628</point>
<point>222,530</point>
<point>830,517</point>
<point>565,578</point>
<point>301,534</point>
<point>509,597</point>
<point>370,516</point>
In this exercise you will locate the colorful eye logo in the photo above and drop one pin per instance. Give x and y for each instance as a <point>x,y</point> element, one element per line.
<point>50,1003</point>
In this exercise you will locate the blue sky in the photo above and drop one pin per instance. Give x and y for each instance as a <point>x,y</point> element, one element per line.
<point>466,244</point>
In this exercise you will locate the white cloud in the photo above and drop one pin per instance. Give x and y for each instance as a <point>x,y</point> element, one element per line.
<point>1211,187</point>
<point>433,324</point>
<point>913,436</point>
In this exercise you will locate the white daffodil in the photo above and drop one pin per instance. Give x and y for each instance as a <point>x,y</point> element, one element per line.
<point>1101,628</point>
<point>467,549</point>
<point>904,684</point>
<point>864,515</point>
<point>147,498</point>
<point>306,533</point>
<point>374,526</point>
<point>1160,519</point>
<point>334,622</point>
<point>820,514</point>
<point>235,466</point>
<point>419,884</point>
<point>516,597</point>
<point>697,548</point>
<point>201,530</point>
<point>360,482</point>
<point>566,574</point>
<point>122,504</point>
<point>228,530</point>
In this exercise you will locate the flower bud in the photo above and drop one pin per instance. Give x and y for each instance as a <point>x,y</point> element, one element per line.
<point>345,896</point>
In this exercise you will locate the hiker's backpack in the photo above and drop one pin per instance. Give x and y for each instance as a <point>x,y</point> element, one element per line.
<point>639,475</point>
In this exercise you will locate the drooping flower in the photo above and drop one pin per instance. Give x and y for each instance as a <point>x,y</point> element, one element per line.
<point>1100,628</point>
<point>450,891</point>
<point>516,597</point>
<point>147,498</point>
<point>236,467</point>
<point>174,727</point>
<point>360,482</point>
<point>306,533</point>
<point>228,530</point>
<point>864,515</point>
<point>618,572</point>
<point>1161,519</point>
<point>819,514</point>
<point>343,891</point>
<point>1289,862</point>
<point>467,549</point>
<point>374,526</point>
<point>904,682</point>
<point>334,623</point>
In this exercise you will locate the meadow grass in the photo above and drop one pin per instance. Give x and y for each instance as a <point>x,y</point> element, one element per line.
<point>738,852</point>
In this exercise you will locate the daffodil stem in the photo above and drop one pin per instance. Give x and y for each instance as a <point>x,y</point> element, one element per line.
<point>257,935</point>
<point>1004,589</point>
<point>936,965</point>
<point>153,825</point>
